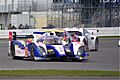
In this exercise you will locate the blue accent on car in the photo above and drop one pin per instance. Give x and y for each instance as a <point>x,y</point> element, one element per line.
<point>38,32</point>
<point>71,48</point>
<point>20,45</point>
<point>24,36</point>
<point>83,54</point>
<point>37,52</point>
<point>29,47</point>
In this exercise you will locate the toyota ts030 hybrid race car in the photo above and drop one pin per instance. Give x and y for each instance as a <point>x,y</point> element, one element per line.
<point>39,47</point>
<point>35,47</point>
<point>91,42</point>
<point>73,50</point>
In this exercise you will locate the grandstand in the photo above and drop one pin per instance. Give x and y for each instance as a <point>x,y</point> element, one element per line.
<point>61,13</point>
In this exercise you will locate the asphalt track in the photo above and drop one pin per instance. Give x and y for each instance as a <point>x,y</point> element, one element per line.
<point>106,58</point>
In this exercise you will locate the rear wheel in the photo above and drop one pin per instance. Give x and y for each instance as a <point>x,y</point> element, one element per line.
<point>86,44</point>
<point>79,55</point>
<point>13,51</point>
<point>96,45</point>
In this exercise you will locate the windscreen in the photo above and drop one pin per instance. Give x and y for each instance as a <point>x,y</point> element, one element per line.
<point>60,34</point>
<point>75,32</point>
<point>51,40</point>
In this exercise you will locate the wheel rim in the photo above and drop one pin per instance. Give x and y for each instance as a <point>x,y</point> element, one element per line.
<point>13,51</point>
<point>96,45</point>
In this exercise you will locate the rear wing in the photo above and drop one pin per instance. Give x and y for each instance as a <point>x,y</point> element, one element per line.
<point>14,36</point>
<point>35,35</point>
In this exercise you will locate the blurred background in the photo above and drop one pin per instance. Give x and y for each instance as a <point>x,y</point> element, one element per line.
<point>20,14</point>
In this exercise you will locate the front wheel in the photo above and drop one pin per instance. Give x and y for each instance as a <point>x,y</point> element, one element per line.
<point>32,52</point>
<point>13,51</point>
<point>96,45</point>
<point>86,44</point>
<point>81,53</point>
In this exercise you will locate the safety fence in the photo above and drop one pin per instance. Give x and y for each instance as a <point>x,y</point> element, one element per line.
<point>111,31</point>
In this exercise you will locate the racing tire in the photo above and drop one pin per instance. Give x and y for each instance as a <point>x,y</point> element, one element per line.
<point>86,45</point>
<point>13,51</point>
<point>80,55</point>
<point>96,45</point>
<point>32,52</point>
<point>85,42</point>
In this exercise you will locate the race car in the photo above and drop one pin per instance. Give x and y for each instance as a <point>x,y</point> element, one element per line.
<point>30,46</point>
<point>74,50</point>
<point>91,42</point>
<point>41,47</point>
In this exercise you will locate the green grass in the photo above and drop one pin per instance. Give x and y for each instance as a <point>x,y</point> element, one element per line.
<point>58,73</point>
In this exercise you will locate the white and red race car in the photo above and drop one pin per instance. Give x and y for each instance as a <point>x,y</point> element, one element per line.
<point>91,42</point>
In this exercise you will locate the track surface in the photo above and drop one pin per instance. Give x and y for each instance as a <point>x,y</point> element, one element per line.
<point>107,58</point>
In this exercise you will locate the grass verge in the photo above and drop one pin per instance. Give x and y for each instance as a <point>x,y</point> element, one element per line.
<point>58,73</point>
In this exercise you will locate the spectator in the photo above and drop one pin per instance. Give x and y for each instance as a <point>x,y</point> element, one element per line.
<point>26,26</point>
<point>13,27</point>
<point>9,26</point>
<point>20,26</point>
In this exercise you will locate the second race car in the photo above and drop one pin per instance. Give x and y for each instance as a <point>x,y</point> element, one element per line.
<point>91,42</point>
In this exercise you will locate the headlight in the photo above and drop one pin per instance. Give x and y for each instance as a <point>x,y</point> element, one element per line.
<point>51,51</point>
